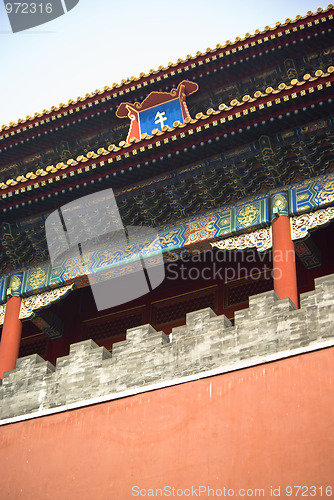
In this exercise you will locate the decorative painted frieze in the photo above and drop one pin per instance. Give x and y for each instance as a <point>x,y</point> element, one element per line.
<point>279,204</point>
<point>311,195</point>
<point>302,224</point>
<point>260,239</point>
<point>15,285</point>
<point>35,302</point>
<point>249,218</point>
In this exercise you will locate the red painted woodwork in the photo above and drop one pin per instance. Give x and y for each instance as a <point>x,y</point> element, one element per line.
<point>255,428</point>
<point>284,260</point>
<point>79,307</point>
<point>11,335</point>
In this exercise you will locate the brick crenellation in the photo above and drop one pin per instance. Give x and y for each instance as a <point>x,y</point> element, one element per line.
<point>265,331</point>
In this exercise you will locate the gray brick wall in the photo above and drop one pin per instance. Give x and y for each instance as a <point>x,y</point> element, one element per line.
<point>270,329</point>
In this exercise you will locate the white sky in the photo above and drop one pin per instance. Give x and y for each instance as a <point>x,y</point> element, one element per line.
<point>103,41</point>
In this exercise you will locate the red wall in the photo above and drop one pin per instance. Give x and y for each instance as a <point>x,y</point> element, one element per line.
<point>267,426</point>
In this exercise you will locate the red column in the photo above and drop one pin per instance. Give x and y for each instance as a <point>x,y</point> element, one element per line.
<point>11,336</point>
<point>284,260</point>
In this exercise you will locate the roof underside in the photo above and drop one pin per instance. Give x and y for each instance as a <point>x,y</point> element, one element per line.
<point>262,119</point>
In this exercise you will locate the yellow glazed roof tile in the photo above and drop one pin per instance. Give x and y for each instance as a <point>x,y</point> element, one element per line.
<point>222,108</point>
<point>248,36</point>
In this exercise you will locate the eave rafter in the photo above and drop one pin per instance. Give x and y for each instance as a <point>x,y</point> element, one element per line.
<point>225,121</point>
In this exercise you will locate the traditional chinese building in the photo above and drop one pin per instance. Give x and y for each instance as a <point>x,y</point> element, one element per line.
<point>228,155</point>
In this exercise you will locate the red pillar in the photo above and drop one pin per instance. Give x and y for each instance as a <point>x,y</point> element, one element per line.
<point>284,260</point>
<point>11,335</point>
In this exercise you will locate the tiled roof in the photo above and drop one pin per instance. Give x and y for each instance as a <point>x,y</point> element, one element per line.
<point>225,113</point>
<point>133,83</point>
